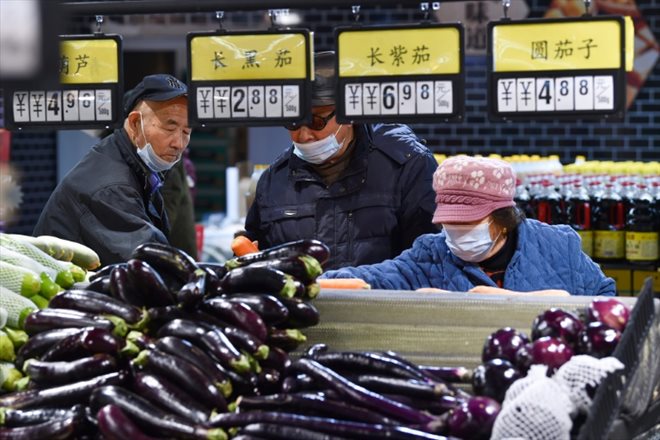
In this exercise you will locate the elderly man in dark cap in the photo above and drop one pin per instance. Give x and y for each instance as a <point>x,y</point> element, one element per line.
<point>363,190</point>
<point>110,201</point>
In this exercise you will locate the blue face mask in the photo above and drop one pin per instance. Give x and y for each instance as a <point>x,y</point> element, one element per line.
<point>317,152</point>
<point>470,243</point>
<point>149,156</point>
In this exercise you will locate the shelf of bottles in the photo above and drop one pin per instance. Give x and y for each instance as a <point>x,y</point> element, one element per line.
<point>613,206</point>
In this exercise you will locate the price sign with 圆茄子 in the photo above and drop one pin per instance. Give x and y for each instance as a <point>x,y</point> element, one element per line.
<point>400,73</point>
<point>249,78</point>
<point>89,94</point>
<point>559,69</point>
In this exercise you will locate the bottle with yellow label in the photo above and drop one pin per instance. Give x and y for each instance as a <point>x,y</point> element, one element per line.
<point>641,228</point>
<point>609,218</point>
<point>578,211</point>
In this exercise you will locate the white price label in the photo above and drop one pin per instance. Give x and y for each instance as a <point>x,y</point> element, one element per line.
<point>104,105</point>
<point>273,99</point>
<point>584,93</point>
<point>525,92</point>
<point>54,105</point>
<point>564,96</point>
<point>221,102</point>
<point>21,104</point>
<point>545,94</point>
<point>407,95</point>
<point>204,102</point>
<point>70,105</point>
<point>424,96</point>
<point>444,97</point>
<point>38,106</point>
<point>291,101</point>
<point>353,99</point>
<point>371,98</point>
<point>239,102</point>
<point>256,105</point>
<point>604,92</point>
<point>87,106</point>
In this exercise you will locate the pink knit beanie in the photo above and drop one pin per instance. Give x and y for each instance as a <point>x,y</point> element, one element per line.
<point>470,188</point>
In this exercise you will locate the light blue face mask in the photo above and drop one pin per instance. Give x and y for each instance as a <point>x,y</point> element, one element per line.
<point>317,152</point>
<point>149,156</point>
<point>470,243</point>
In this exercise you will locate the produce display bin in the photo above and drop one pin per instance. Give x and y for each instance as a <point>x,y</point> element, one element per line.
<point>449,329</point>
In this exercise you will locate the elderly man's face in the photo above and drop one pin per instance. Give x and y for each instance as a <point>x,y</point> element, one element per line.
<point>323,125</point>
<point>165,126</point>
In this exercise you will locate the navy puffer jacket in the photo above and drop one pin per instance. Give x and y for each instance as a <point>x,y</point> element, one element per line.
<point>375,210</point>
<point>546,257</point>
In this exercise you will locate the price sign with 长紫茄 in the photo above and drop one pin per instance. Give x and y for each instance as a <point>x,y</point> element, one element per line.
<point>400,73</point>
<point>563,68</point>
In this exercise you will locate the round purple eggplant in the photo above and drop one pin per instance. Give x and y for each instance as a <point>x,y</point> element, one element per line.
<point>504,344</point>
<point>493,378</point>
<point>473,419</point>
<point>557,323</point>
<point>549,351</point>
<point>610,312</point>
<point>598,340</point>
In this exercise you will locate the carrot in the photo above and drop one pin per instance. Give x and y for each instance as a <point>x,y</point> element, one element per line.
<point>343,283</point>
<point>242,245</point>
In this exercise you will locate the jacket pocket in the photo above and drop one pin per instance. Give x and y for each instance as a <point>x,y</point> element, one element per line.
<point>288,223</point>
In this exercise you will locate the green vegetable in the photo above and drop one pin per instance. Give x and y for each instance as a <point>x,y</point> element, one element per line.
<point>49,288</point>
<point>39,301</point>
<point>18,337</point>
<point>9,376</point>
<point>7,352</point>
<point>17,259</point>
<point>19,279</point>
<point>17,307</point>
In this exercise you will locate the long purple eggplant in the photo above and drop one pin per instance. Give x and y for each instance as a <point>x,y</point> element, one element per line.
<point>146,280</point>
<point>258,279</point>
<point>220,270</point>
<point>121,288</point>
<point>94,302</point>
<point>167,259</point>
<point>23,417</point>
<point>406,387</point>
<point>270,308</point>
<point>359,395</point>
<point>237,314</point>
<point>365,362</point>
<point>280,431</point>
<point>62,395</point>
<point>311,404</point>
<point>105,271</point>
<point>48,319</point>
<point>60,428</point>
<point>38,344</point>
<point>189,352</point>
<point>193,292</point>
<point>58,373</point>
<point>312,247</point>
<point>210,338</point>
<point>101,285</point>
<point>246,342</point>
<point>185,374</point>
<point>304,268</point>
<point>346,428</point>
<point>159,316</point>
<point>149,417</point>
<point>277,358</point>
<point>448,374</point>
<point>88,341</point>
<point>163,393</point>
<point>287,339</point>
<point>301,313</point>
<point>114,424</point>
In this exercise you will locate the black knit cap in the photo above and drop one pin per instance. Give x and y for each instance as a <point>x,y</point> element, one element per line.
<point>323,86</point>
<point>158,87</point>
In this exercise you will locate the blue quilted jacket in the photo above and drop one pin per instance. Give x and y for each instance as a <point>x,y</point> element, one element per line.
<point>547,257</point>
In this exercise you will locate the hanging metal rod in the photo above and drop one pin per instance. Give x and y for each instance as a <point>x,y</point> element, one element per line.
<point>128,7</point>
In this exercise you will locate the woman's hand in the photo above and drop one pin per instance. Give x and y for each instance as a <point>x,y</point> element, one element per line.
<point>489,290</point>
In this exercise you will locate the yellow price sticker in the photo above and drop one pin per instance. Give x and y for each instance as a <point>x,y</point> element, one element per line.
<point>392,52</point>
<point>575,45</point>
<point>249,57</point>
<point>89,61</point>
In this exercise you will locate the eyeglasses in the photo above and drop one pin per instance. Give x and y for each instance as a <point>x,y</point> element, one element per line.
<point>318,123</point>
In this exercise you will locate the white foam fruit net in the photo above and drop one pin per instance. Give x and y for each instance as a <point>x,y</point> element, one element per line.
<point>538,407</point>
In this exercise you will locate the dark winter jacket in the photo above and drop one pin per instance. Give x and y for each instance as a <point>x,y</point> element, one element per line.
<point>109,202</point>
<point>381,202</point>
<point>546,257</point>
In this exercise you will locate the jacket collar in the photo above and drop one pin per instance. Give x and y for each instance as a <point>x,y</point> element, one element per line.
<point>152,181</point>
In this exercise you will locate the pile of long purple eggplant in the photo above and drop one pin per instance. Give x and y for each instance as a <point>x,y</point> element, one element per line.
<point>360,395</point>
<point>158,346</point>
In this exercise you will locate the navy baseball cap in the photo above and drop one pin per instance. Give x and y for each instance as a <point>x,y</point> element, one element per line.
<point>158,87</point>
<point>323,86</point>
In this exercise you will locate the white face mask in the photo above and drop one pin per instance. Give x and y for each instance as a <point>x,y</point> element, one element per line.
<point>317,152</point>
<point>149,156</point>
<point>470,243</point>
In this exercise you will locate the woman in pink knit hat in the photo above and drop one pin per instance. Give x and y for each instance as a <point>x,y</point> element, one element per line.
<point>486,245</point>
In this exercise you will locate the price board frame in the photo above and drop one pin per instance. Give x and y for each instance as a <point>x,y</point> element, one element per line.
<point>562,105</point>
<point>397,85</point>
<point>80,94</point>
<point>285,87</point>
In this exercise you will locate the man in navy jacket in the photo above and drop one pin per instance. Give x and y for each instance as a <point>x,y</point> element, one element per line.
<point>365,191</point>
